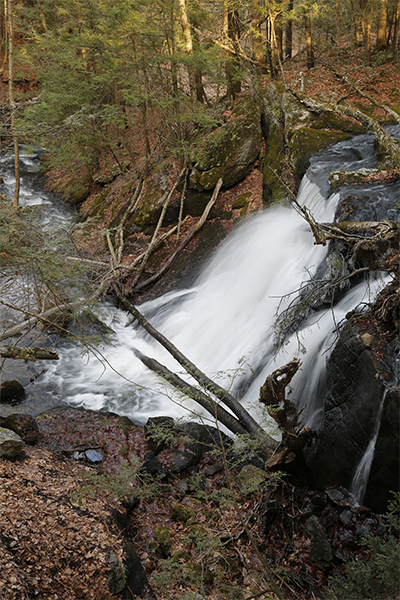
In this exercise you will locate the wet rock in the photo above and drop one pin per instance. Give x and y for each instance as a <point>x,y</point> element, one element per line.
<point>24,425</point>
<point>152,465</point>
<point>206,435</point>
<point>11,443</point>
<point>185,459</point>
<point>355,389</point>
<point>11,392</point>
<point>320,550</point>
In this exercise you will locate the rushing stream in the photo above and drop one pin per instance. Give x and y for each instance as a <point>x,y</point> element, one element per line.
<point>225,323</point>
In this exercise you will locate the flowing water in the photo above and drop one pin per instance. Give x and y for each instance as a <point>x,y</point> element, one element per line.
<point>225,322</point>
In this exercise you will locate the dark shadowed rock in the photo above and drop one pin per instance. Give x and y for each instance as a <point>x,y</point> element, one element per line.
<point>320,550</point>
<point>11,392</point>
<point>356,387</point>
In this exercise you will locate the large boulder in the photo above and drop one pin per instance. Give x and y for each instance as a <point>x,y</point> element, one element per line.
<point>360,402</point>
<point>230,150</point>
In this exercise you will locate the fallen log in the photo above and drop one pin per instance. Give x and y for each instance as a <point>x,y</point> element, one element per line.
<point>31,353</point>
<point>212,407</point>
<point>245,419</point>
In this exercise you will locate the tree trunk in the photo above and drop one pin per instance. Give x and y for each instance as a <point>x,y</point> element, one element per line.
<point>396,28</point>
<point>187,36</point>
<point>217,411</point>
<point>289,34</point>
<point>381,39</point>
<point>231,35</point>
<point>309,44</point>
<point>256,36</point>
<point>356,24</point>
<point>366,16</point>
<point>339,24</point>
<point>12,102</point>
<point>31,353</point>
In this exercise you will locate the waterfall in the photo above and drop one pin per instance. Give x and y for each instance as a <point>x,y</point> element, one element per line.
<point>224,324</point>
<point>360,480</point>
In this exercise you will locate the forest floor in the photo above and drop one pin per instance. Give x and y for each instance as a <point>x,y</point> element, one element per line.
<point>59,520</point>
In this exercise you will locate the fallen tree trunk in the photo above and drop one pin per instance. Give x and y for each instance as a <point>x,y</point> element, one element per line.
<point>31,353</point>
<point>245,419</point>
<point>217,411</point>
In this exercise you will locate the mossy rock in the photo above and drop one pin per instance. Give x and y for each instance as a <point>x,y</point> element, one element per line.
<point>250,480</point>
<point>182,513</point>
<point>229,151</point>
<point>306,142</point>
<point>164,540</point>
<point>150,207</point>
<point>75,192</point>
<point>199,574</point>
<point>242,201</point>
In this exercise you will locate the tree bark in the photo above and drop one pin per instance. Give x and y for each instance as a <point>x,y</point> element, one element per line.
<point>381,40</point>
<point>12,101</point>
<point>289,33</point>
<point>309,43</point>
<point>27,353</point>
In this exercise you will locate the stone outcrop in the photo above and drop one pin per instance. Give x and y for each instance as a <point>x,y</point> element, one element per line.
<point>11,392</point>
<point>358,381</point>
<point>292,135</point>
<point>230,150</point>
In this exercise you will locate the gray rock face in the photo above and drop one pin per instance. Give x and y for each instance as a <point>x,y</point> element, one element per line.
<point>356,388</point>
<point>10,443</point>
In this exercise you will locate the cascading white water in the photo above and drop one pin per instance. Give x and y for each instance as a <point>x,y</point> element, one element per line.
<point>224,324</point>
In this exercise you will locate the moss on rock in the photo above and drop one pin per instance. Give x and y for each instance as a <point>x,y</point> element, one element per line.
<point>230,150</point>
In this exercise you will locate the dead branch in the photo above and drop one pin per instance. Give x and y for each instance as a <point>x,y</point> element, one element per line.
<point>284,412</point>
<point>360,92</point>
<point>31,353</point>
<point>157,229</point>
<point>388,145</point>
<point>212,407</point>
<point>245,419</point>
<point>185,241</point>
